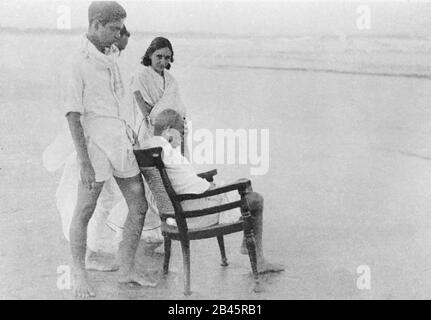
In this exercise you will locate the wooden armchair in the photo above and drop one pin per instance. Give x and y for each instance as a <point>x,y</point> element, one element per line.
<point>169,205</point>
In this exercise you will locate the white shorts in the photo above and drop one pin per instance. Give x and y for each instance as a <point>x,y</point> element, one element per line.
<point>123,165</point>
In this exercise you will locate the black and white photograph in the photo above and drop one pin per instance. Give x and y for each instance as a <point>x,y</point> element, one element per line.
<point>241,150</point>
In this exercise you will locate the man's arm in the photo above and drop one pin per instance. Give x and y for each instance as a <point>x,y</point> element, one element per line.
<point>86,169</point>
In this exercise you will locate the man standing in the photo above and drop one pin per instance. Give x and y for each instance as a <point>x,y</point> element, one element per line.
<point>94,107</point>
<point>124,39</point>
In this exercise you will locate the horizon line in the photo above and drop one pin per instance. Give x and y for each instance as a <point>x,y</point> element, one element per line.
<point>78,30</point>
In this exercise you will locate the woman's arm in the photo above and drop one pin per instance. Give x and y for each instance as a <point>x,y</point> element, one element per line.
<point>143,106</point>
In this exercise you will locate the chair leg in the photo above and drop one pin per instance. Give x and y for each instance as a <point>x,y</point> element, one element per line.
<point>251,247</point>
<point>222,251</point>
<point>167,244</point>
<point>185,246</point>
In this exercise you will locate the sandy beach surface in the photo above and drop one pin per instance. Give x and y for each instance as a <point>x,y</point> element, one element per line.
<point>348,185</point>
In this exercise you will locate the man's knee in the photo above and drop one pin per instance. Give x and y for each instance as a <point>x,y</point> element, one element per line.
<point>134,192</point>
<point>136,199</point>
<point>139,205</point>
<point>87,201</point>
<point>84,211</point>
<point>255,201</point>
<point>137,189</point>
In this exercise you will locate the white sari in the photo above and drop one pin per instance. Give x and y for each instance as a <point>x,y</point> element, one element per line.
<point>160,92</point>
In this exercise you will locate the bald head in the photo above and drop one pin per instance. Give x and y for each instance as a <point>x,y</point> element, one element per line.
<point>168,119</point>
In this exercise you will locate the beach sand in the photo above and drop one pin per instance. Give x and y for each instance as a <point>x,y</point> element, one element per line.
<point>349,180</point>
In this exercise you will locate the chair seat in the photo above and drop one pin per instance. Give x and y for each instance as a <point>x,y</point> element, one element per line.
<point>203,233</point>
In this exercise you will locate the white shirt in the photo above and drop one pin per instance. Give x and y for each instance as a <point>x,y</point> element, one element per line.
<point>89,88</point>
<point>180,171</point>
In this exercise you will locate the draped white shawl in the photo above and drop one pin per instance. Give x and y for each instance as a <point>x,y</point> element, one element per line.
<point>160,92</point>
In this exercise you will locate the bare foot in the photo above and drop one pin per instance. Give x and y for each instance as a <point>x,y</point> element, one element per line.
<point>266,267</point>
<point>136,278</point>
<point>81,287</point>
<point>97,262</point>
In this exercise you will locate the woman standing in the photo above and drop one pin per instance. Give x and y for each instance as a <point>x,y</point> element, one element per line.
<point>155,89</point>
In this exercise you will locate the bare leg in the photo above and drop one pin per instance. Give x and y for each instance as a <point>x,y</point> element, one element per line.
<point>255,201</point>
<point>97,223</point>
<point>134,193</point>
<point>97,259</point>
<point>86,203</point>
<point>99,254</point>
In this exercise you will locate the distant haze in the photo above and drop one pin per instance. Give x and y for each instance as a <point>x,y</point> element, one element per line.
<point>234,17</point>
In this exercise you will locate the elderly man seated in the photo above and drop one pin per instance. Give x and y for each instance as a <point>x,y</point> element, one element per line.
<point>168,129</point>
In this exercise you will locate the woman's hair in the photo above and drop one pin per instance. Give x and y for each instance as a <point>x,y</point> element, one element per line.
<point>156,44</point>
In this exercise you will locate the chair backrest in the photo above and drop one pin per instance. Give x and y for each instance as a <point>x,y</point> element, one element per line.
<point>148,157</point>
<point>153,169</point>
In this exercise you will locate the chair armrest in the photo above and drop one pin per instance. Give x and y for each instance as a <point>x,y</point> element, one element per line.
<point>240,185</point>
<point>208,175</point>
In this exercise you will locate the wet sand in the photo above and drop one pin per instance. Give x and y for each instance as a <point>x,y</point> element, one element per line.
<point>348,185</point>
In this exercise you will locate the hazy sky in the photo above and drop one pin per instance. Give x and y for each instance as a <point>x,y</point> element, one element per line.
<point>234,17</point>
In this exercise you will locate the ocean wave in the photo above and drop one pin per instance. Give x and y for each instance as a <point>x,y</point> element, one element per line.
<point>330,70</point>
